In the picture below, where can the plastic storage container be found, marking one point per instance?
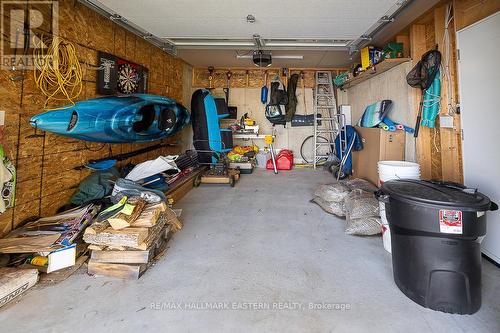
(391, 170)
(436, 230)
(262, 158)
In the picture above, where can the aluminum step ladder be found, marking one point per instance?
(327, 125)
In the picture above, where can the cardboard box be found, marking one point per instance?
(378, 145)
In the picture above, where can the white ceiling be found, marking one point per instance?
(278, 19)
(339, 19)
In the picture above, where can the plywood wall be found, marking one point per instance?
(468, 12)
(247, 100)
(46, 179)
(388, 85)
(245, 86)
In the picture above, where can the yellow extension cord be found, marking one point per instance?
(58, 73)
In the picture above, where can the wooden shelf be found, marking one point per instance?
(251, 136)
(379, 68)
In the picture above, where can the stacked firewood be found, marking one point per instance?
(126, 244)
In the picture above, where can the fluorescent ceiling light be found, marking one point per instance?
(305, 44)
(212, 43)
(259, 43)
(249, 56)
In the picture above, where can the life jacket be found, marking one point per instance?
(275, 109)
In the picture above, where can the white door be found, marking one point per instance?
(479, 81)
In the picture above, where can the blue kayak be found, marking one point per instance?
(116, 119)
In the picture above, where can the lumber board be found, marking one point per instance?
(121, 271)
(14, 282)
(423, 142)
(450, 138)
(41, 243)
(122, 220)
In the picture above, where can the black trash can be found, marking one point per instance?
(436, 229)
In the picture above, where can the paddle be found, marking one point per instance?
(109, 162)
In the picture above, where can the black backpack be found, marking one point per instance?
(278, 99)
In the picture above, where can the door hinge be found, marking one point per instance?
(462, 134)
(458, 54)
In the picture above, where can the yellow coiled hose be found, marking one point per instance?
(58, 73)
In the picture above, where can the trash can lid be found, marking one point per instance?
(436, 193)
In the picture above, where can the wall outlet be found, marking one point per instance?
(446, 121)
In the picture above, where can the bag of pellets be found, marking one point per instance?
(332, 192)
(336, 208)
(362, 213)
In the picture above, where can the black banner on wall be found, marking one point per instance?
(119, 76)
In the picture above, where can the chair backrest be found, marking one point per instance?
(206, 127)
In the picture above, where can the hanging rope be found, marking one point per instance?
(58, 73)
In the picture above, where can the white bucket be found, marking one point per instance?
(386, 231)
(390, 170)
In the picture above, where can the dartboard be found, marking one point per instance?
(128, 79)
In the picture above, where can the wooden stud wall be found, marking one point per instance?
(45, 176)
(439, 151)
(250, 77)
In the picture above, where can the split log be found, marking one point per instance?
(150, 215)
(125, 237)
(122, 220)
(129, 256)
(96, 228)
(121, 271)
(154, 233)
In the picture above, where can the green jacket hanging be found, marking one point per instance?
(291, 107)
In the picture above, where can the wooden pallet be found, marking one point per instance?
(212, 179)
(182, 186)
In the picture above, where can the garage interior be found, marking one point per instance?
(252, 166)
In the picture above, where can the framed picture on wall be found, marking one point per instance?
(120, 76)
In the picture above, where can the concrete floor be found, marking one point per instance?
(261, 242)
